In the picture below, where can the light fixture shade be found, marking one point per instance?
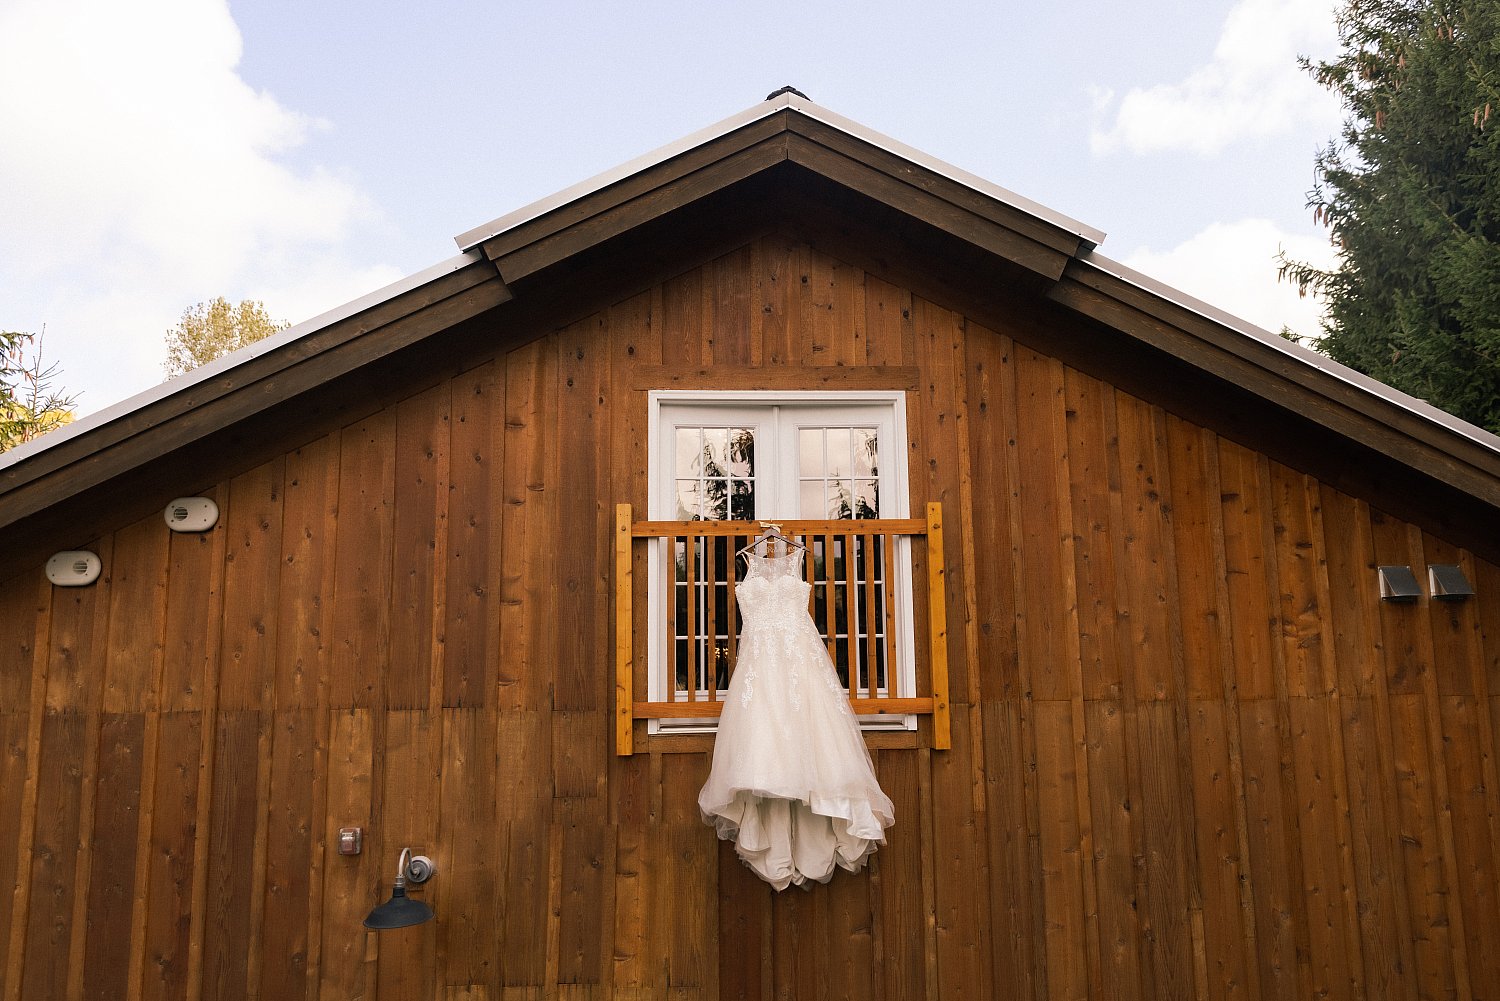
(400, 911)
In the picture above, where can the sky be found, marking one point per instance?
(160, 153)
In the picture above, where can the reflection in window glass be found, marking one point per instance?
(715, 473)
(838, 467)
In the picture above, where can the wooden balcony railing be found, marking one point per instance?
(853, 568)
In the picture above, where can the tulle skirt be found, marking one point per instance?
(792, 784)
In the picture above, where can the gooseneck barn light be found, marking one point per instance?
(401, 911)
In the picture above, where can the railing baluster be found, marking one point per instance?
(867, 549)
(710, 630)
(690, 572)
(888, 569)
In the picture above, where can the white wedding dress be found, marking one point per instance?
(792, 784)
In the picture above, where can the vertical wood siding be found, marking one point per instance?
(1194, 756)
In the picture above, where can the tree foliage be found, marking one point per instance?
(30, 402)
(213, 329)
(1411, 193)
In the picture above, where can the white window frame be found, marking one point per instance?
(885, 407)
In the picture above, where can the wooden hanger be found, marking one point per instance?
(772, 533)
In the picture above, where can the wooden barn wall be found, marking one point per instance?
(1194, 755)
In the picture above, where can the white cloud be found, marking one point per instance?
(1252, 87)
(140, 173)
(1233, 266)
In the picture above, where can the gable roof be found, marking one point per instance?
(331, 358)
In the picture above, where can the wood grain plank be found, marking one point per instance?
(733, 335)
(1473, 848)
(1016, 928)
(469, 846)
(106, 963)
(138, 598)
(170, 878)
(227, 957)
(1271, 870)
(14, 754)
(582, 428)
(293, 819)
(683, 334)
(1044, 617)
(419, 539)
(636, 863)
(1429, 896)
(471, 625)
(304, 617)
(690, 884)
(773, 279)
(1093, 479)
(1216, 801)
(1167, 822)
(26, 632)
(1385, 924)
(1301, 568)
(529, 570)
(1242, 513)
(252, 557)
(52, 875)
(361, 616)
(1323, 894)
(963, 915)
(1115, 971)
(888, 328)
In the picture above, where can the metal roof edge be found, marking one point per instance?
(218, 366)
(1297, 352)
(781, 102)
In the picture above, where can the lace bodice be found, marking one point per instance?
(773, 590)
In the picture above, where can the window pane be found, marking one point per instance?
(688, 450)
(715, 447)
(812, 499)
(866, 461)
(866, 499)
(840, 499)
(810, 451)
(741, 458)
(715, 500)
(837, 461)
(687, 500)
(742, 500)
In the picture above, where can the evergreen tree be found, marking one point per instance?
(213, 329)
(1412, 196)
(30, 403)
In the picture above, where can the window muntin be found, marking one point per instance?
(764, 456)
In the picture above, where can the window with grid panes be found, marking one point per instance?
(773, 457)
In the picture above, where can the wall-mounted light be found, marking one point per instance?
(401, 911)
(1399, 584)
(1448, 583)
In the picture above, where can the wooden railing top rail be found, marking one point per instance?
(627, 531)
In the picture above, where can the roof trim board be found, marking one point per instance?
(765, 109)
